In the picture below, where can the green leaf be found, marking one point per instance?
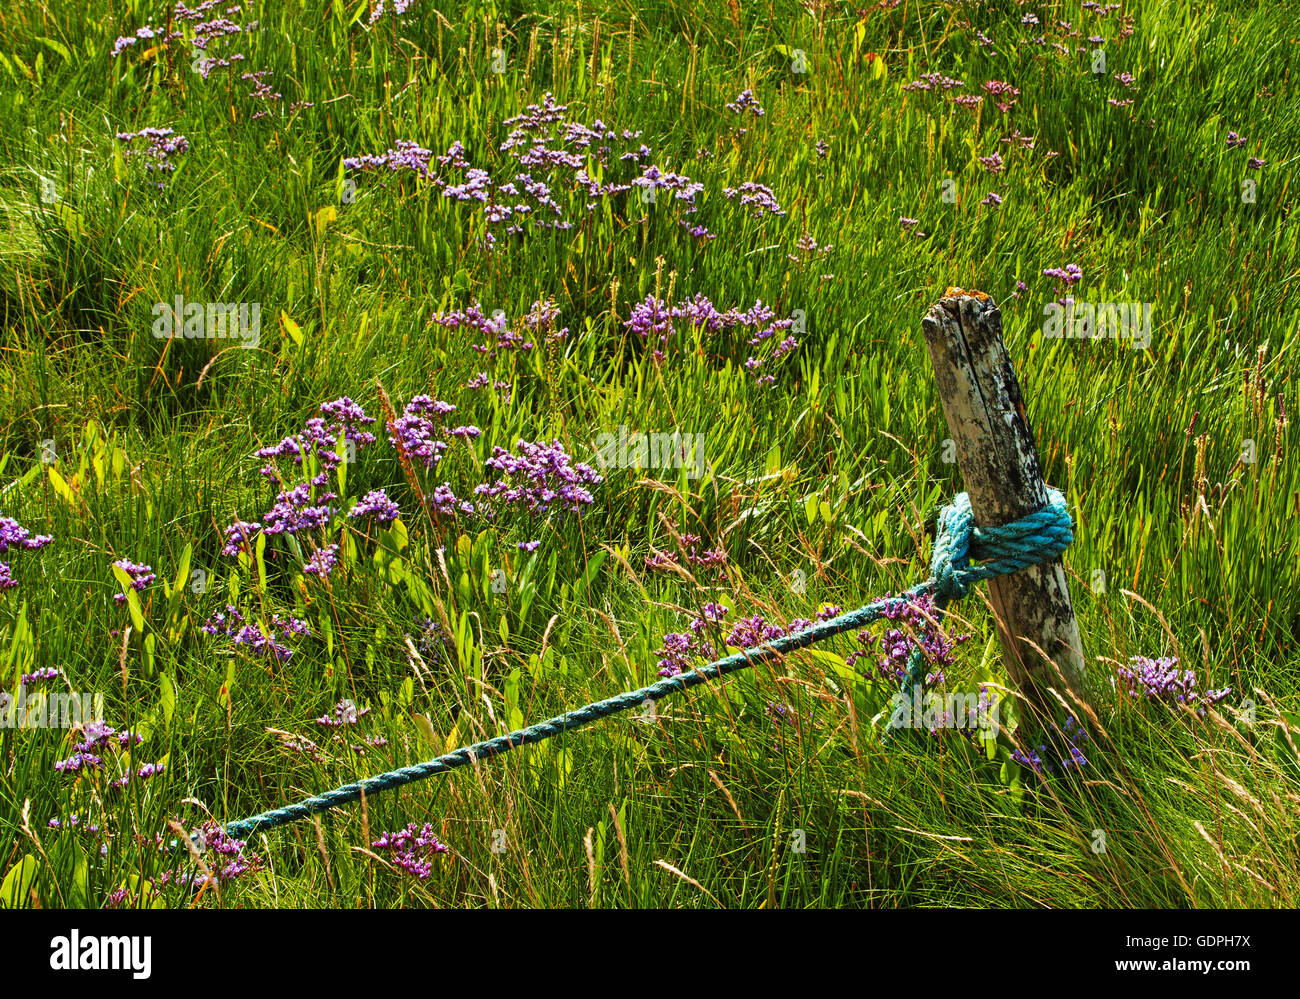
(58, 47)
(425, 728)
(15, 890)
(259, 549)
(398, 535)
(182, 577)
(773, 460)
(61, 487)
(132, 598)
(168, 698)
(291, 329)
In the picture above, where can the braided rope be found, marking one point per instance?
(1040, 537)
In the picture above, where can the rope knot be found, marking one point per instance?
(1038, 537)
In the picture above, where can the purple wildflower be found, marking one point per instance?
(746, 101)
(413, 850)
(345, 713)
(141, 576)
(322, 561)
(538, 477)
(758, 198)
(375, 504)
(1161, 680)
(1070, 274)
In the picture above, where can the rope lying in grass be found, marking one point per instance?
(1037, 538)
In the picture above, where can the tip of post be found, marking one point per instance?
(955, 292)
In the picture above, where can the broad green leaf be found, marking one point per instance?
(132, 598)
(15, 890)
(291, 329)
(168, 687)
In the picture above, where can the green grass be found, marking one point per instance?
(821, 488)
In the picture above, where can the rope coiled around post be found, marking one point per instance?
(1037, 538)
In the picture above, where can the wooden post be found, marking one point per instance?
(999, 465)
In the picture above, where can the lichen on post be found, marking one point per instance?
(999, 464)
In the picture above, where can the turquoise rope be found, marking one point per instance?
(1040, 537)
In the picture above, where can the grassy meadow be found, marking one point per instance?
(574, 222)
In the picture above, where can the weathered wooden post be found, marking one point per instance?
(999, 465)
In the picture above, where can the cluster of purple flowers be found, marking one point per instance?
(550, 154)
(31, 679)
(536, 478)
(1162, 680)
(420, 436)
(14, 535)
(1236, 141)
(714, 558)
(498, 333)
(164, 144)
(758, 198)
(239, 536)
(230, 623)
(345, 713)
(413, 850)
(399, 7)
(430, 644)
(319, 437)
(1070, 273)
(915, 629)
(141, 576)
(808, 249)
(377, 505)
(1064, 746)
(654, 319)
(523, 201)
(96, 737)
(344, 716)
(262, 92)
(746, 101)
(301, 508)
(653, 179)
(934, 81)
(225, 860)
(417, 430)
(322, 561)
(404, 155)
(205, 29)
(1003, 95)
(143, 773)
(680, 651)
(306, 506)
(73, 821)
